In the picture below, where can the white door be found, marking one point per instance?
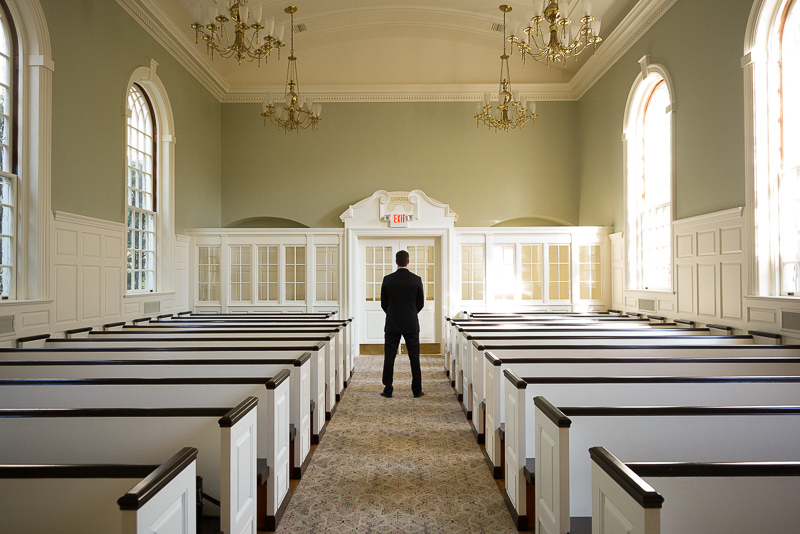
(376, 260)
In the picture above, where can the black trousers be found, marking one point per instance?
(391, 342)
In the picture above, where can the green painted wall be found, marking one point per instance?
(96, 45)
(485, 176)
(701, 45)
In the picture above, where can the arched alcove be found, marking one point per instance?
(266, 222)
(541, 220)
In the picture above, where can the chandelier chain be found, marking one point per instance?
(511, 112)
(298, 113)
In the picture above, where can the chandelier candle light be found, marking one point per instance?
(563, 40)
(241, 47)
(511, 111)
(299, 113)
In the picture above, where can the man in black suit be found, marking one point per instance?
(402, 298)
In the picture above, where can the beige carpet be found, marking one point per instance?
(397, 465)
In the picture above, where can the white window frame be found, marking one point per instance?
(147, 78)
(762, 147)
(650, 75)
(33, 109)
(470, 269)
(9, 206)
(330, 271)
(137, 229)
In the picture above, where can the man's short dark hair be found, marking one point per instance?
(401, 258)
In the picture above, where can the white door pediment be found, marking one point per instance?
(378, 211)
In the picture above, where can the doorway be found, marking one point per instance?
(375, 259)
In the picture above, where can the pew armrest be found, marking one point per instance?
(262, 471)
(530, 470)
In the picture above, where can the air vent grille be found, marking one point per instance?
(152, 307)
(790, 320)
(647, 305)
(300, 28)
(6, 324)
(498, 27)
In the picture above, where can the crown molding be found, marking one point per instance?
(399, 92)
(160, 26)
(635, 24)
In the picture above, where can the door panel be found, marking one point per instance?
(376, 260)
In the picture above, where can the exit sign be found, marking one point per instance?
(398, 220)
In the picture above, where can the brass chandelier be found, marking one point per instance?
(240, 46)
(510, 112)
(299, 113)
(558, 41)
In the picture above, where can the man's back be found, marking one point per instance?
(402, 297)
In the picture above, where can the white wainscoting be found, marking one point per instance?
(88, 271)
(89, 276)
(709, 268)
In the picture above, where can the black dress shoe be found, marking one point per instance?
(418, 395)
(387, 395)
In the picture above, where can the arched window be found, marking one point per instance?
(789, 173)
(141, 192)
(772, 80)
(649, 149)
(8, 156)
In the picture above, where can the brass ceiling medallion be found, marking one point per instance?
(558, 41)
(511, 111)
(298, 113)
(240, 46)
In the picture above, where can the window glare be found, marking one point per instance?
(657, 154)
(649, 180)
(140, 188)
(790, 69)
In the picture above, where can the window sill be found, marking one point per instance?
(774, 298)
(653, 292)
(148, 295)
(9, 302)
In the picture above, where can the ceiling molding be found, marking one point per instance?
(400, 92)
(635, 24)
(158, 24)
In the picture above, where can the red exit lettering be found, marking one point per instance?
(399, 218)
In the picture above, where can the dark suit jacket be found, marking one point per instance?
(402, 297)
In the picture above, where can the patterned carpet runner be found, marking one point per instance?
(397, 465)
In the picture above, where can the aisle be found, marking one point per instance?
(397, 465)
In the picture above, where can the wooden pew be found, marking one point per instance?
(485, 381)
(81, 498)
(456, 360)
(316, 315)
(476, 345)
(273, 395)
(344, 344)
(618, 390)
(564, 434)
(319, 346)
(709, 497)
(224, 437)
(300, 404)
(491, 336)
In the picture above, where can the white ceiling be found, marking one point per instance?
(386, 50)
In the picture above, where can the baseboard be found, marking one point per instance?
(297, 472)
(479, 436)
(496, 470)
(376, 349)
(315, 438)
(273, 520)
(520, 521)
